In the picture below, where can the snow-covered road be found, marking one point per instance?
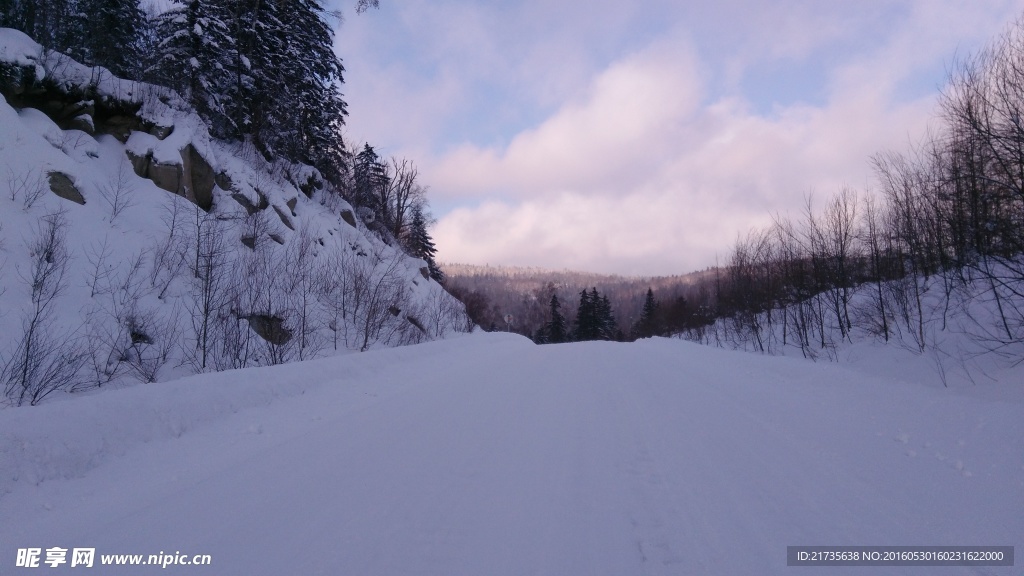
(488, 455)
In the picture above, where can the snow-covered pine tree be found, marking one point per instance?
(364, 5)
(369, 174)
(259, 58)
(194, 57)
(314, 111)
(419, 244)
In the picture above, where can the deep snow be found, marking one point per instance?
(489, 455)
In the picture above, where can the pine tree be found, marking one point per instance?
(555, 331)
(309, 122)
(111, 30)
(51, 23)
(606, 326)
(646, 325)
(370, 175)
(194, 57)
(586, 321)
(419, 244)
(594, 319)
(260, 40)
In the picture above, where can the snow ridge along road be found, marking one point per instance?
(486, 455)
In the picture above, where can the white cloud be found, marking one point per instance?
(641, 179)
(623, 126)
(654, 159)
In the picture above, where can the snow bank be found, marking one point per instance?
(68, 439)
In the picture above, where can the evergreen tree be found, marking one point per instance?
(556, 331)
(586, 320)
(606, 326)
(111, 30)
(646, 326)
(194, 57)
(51, 23)
(260, 57)
(419, 244)
(594, 319)
(370, 175)
(309, 121)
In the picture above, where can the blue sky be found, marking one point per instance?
(641, 137)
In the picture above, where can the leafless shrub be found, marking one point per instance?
(364, 295)
(45, 359)
(100, 268)
(300, 290)
(27, 187)
(72, 140)
(210, 266)
(441, 314)
(170, 253)
(117, 192)
(124, 336)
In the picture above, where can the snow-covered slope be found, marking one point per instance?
(168, 252)
(489, 455)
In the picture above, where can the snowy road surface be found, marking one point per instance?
(487, 456)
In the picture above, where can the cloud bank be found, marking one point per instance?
(651, 158)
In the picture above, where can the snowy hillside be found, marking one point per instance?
(136, 248)
(489, 455)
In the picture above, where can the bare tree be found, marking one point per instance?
(44, 359)
(300, 291)
(124, 336)
(28, 186)
(404, 194)
(210, 266)
(364, 295)
(170, 253)
(877, 319)
(118, 190)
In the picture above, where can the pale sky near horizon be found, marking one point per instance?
(642, 137)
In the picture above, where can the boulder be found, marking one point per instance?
(63, 186)
(84, 123)
(223, 180)
(198, 178)
(161, 132)
(284, 218)
(250, 208)
(270, 328)
(192, 179)
(348, 217)
(166, 176)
